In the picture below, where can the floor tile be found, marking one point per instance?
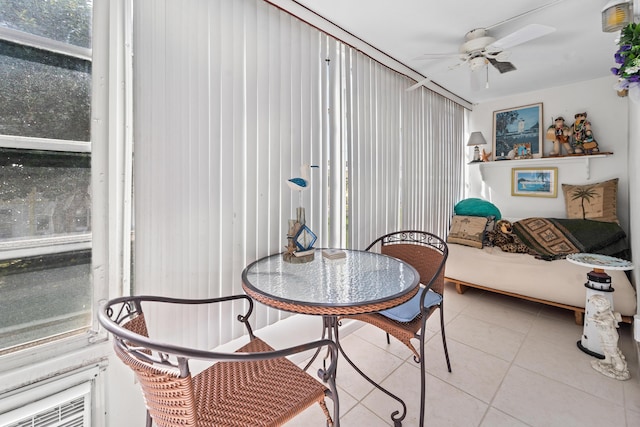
(631, 390)
(568, 364)
(497, 311)
(558, 329)
(455, 302)
(540, 401)
(495, 418)
(361, 416)
(377, 337)
(633, 418)
(375, 362)
(472, 371)
(514, 363)
(512, 302)
(446, 405)
(488, 337)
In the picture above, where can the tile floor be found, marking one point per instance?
(515, 363)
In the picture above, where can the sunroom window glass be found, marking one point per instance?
(45, 171)
(43, 194)
(44, 297)
(66, 21)
(44, 94)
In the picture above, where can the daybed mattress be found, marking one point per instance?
(558, 281)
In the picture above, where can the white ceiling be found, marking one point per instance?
(406, 29)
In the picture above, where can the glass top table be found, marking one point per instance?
(597, 261)
(359, 283)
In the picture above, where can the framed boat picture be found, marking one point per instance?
(514, 128)
(534, 182)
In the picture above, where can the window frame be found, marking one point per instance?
(110, 146)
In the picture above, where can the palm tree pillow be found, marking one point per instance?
(597, 202)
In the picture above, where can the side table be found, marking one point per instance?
(598, 283)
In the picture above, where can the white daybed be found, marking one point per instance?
(558, 283)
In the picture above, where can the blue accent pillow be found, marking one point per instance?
(409, 310)
(477, 207)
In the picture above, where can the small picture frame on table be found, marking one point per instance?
(513, 127)
(534, 182)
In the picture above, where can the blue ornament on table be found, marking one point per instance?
(302, 182)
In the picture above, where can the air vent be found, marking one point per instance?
(68, 408)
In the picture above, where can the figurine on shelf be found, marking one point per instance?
(584, 141)
(559, 133)
(485, 157)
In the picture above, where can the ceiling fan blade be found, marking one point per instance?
(427, 56)
(524, 34)
(456, 65)
(502, 66)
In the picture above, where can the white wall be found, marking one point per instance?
(634, 198)
(608, 114)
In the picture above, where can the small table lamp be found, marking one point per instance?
(476, 139)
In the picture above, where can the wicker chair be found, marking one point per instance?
(427, 253)
(255, 386)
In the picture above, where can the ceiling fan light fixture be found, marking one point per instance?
(616, 14)
(476, 45)
(477, 63)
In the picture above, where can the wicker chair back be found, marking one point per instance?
(255, 386)
(427, 260)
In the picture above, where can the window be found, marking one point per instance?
(45, 171)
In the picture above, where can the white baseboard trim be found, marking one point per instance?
(291, 331)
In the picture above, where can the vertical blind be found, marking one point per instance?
(231, 98)
(406, 154)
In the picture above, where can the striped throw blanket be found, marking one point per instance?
(554, 238)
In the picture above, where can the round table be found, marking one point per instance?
(598, 283)
(361, 282)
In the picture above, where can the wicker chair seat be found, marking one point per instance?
(402, 331)
(257, 393)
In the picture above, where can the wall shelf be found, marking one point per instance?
(544, 161)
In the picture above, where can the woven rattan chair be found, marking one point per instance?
(427, 253)
(255, 386)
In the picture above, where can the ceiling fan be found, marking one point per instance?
(480, 49)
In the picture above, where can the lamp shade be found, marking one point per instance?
(475, 139)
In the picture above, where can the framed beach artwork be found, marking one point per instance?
(515, 128)
(534, 182)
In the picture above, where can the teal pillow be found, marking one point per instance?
(477, 207)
